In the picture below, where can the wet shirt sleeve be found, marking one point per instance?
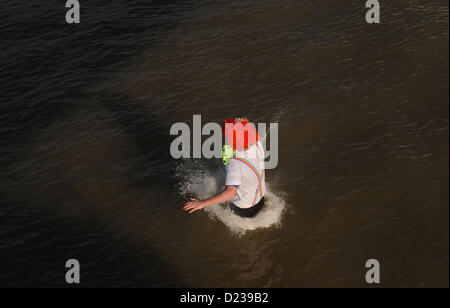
(233, 174)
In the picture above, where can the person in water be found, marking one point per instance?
(243, 156)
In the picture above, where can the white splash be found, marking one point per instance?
(200, 181)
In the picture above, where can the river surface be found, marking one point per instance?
(86, 172)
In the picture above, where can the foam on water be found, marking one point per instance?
(199, 180)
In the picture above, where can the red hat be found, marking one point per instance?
(239, 133)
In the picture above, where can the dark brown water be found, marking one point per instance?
(86, 172)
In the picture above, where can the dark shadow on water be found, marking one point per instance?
(44, 78)
(151, 134)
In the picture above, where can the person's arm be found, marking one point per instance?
(195, 205)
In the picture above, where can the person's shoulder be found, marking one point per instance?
(253, 152)
(233, 168)
(233, 164)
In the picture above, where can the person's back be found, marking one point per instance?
(246, 172)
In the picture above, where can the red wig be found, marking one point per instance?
(239, 133)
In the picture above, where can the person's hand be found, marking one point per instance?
(193, 205)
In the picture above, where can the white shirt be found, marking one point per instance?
(250, 181)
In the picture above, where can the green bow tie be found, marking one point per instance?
(227, 154)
